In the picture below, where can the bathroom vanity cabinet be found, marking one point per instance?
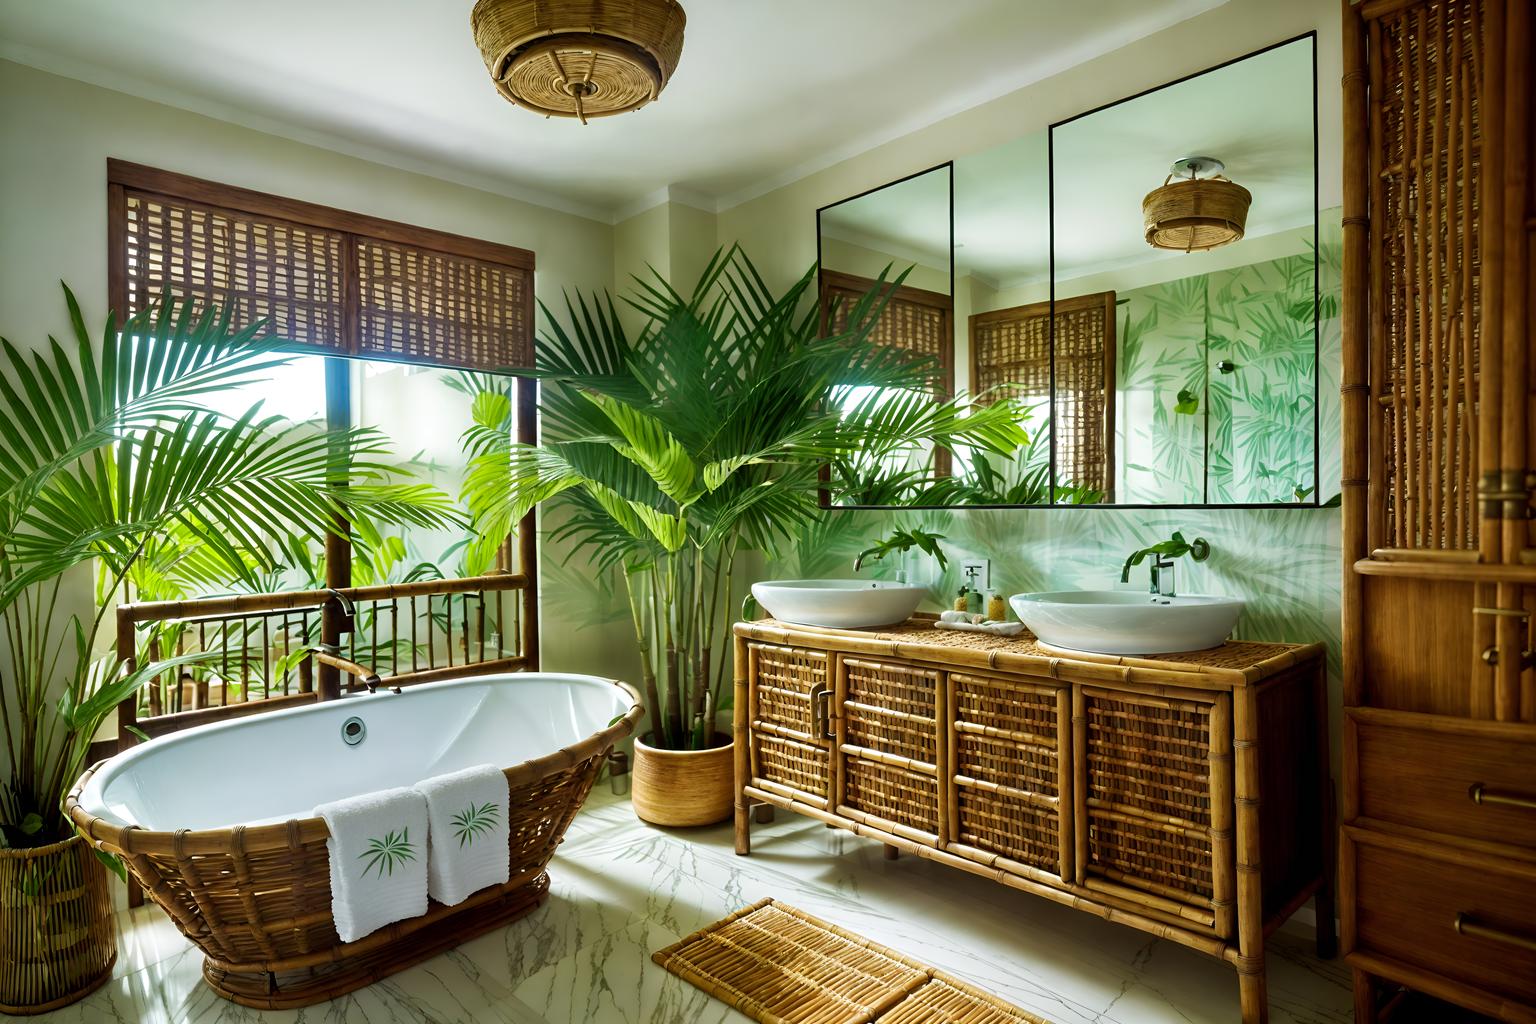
(1186, 795)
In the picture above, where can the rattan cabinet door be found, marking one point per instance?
(790, 693)
(1009, 742)
(887, 731)
(1153, 795)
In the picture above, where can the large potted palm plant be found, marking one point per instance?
(673, 450)
(105, 453)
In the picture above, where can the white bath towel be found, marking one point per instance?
(467, 832)
(378, 850)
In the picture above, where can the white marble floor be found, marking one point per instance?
(622, 890)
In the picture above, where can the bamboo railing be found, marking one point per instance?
(276, 650)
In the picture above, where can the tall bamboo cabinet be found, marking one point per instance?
(1438, 853)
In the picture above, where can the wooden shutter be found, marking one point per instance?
(255, 267)
(914, 319)
(322, 278)
(1011, 351)
(420, 306)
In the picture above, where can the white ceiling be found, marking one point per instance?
(767, 91)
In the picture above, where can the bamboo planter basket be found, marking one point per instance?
(683, 788)
(58, 938)
(257, 900)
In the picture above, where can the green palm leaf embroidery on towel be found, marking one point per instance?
(383, 855)
(470, 823)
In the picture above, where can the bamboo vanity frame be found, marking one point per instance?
(1185, 795)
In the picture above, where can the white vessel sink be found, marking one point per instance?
(843, 604)
(1127, 622)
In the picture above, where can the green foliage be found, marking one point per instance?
(106, 456)
(904, 541)
(1174, 547)
(672, 449)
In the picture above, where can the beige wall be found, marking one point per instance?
(57, 133)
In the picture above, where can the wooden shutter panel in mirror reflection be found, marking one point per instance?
(914, 319)
(430, 307)
(255, 267)
(1011, 351)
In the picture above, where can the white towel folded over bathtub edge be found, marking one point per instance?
(378, 853)
(467, 832)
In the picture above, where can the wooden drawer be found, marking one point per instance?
(785, 684)
(887, 725)
(1146, 769)
(1009, 746)
(1410, 896)
(1458, 777)
(789, 694)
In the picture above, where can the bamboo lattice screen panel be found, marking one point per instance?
(323, 279)
(1426, 205)
(1011, 352)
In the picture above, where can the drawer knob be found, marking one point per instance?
(1481, 794)
(1468, 925)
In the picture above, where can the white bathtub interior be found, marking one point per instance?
(279, 765)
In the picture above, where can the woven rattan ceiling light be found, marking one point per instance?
(579, 58)
(1197, 208)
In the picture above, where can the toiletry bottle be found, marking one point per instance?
(962, 602)
(974, 602)
(997, 609)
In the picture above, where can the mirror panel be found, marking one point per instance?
(904, 228)
(1214, 349)
(1181, 373)
(1002, 301)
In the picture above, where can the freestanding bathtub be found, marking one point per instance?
(215, 822)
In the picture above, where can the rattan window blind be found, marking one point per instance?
(1011, 353)
(323, 279)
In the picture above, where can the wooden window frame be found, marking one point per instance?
(124, 176)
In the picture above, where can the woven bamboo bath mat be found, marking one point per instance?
(779, 965)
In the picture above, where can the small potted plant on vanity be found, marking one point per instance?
(700, 438)
(104, 456)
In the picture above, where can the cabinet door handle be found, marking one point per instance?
(821, 714)
(1466, 924)
(1481, 794)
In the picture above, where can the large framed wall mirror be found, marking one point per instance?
(1140, 282)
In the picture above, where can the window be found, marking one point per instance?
(398, 325)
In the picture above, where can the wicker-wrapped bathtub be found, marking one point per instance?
(255, 897)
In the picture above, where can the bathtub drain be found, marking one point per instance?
(353, 731)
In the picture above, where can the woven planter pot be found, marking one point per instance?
(683, 787)
(58, 939)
